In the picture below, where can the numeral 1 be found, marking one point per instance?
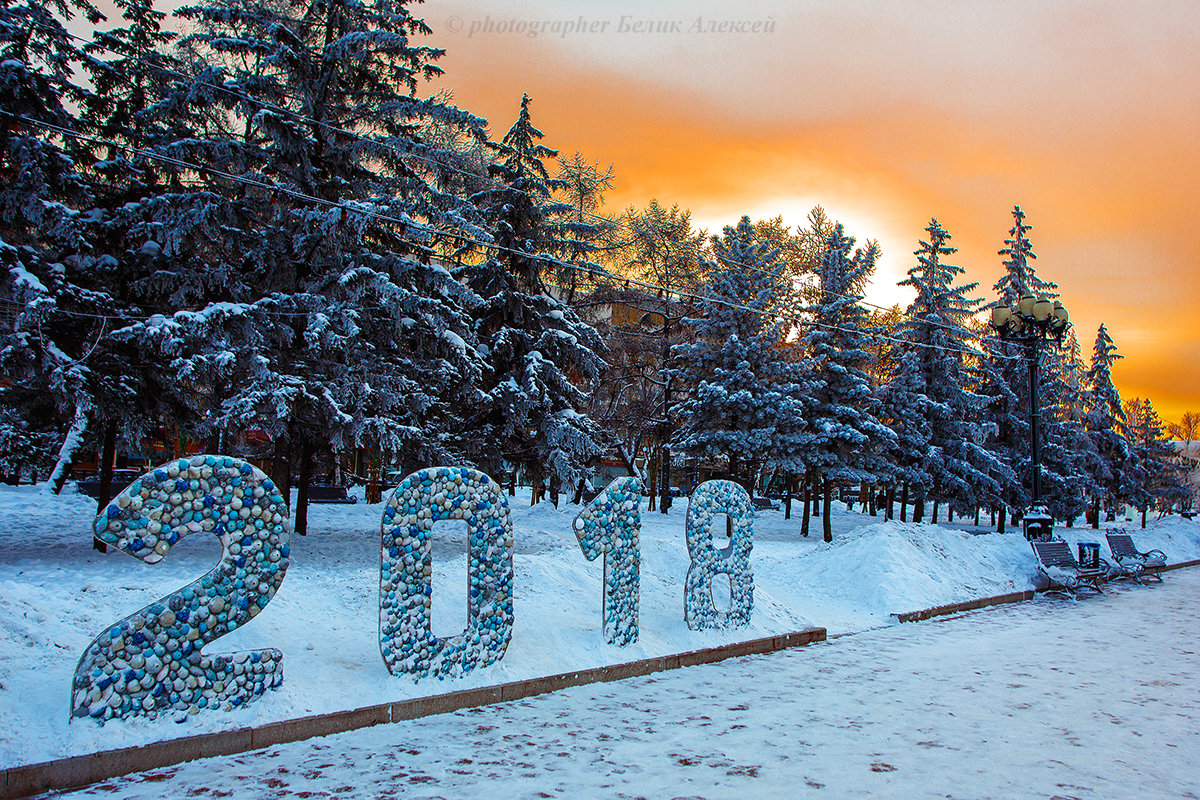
(611, 524)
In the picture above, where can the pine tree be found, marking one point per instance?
(744, 396)
(1106, 426)
(1160, 481)
(539, 353)
(660, 247)
(847, 438)
(299, 232)
(1007, 379)
(56, 310)
(935, 414)
(1065, 448)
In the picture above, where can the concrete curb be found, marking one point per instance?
(1000, 599)
(76, 771)
(967, 605)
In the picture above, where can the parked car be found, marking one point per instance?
(120, 479)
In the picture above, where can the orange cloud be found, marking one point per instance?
(1082, 113)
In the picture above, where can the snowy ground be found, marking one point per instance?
(56, 594)
(1052, 699)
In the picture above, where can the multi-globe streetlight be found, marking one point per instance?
(1033, 320)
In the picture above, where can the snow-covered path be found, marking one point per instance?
(1052, 698)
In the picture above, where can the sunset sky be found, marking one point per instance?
(888, 113)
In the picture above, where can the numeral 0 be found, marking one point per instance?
(406, 638)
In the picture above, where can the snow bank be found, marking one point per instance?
(56, 593)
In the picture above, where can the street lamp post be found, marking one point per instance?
(1034, 319)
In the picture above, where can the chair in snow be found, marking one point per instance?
(1062, 571)
(1150, 563)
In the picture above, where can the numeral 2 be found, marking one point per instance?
(151, 661)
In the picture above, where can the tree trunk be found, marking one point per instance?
(816, 494)
(934, 519)
(976, 516)
(904, 502)
(1000, 516)
(306, 461)
(281, 466)
(787, 500)
(874, 511)
(807, 508)
(826, 526)
(1143, 517)
(891, 499)
(554, 491)
(512, 481)
(70, 446)
(579, 487)
(652, 481)
(108, 456)
(919, 509)
(664, 503)
(1096, 513)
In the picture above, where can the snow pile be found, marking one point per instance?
(56, 594)
(892, 567)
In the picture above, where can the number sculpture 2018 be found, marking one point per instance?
(406, 639)
(151, 661)
(611, 524)
(709, 500)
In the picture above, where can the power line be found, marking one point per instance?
(407, 224)
(140, 59)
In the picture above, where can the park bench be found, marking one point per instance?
(1062, 571)
(329, 494)
(120, 479)
(763, 504)
(1150, 563)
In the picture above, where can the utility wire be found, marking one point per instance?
(140, 59)
(408, 223)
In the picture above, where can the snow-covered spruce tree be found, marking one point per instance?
(1137, 488)
(848, 443)
(935, 413)
(308, 201)
(1065, 448)
(1009, 406)
(743, 401)
(1165, 484)
(539, 353)
(1106, 427)
(55, 307)
(125, 66)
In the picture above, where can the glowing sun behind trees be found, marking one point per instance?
(151, 661)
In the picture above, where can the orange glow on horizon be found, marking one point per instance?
(1089, 126)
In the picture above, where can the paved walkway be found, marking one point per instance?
(1049, 699)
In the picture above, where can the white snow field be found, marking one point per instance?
(1049, 699)
(57, 593)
